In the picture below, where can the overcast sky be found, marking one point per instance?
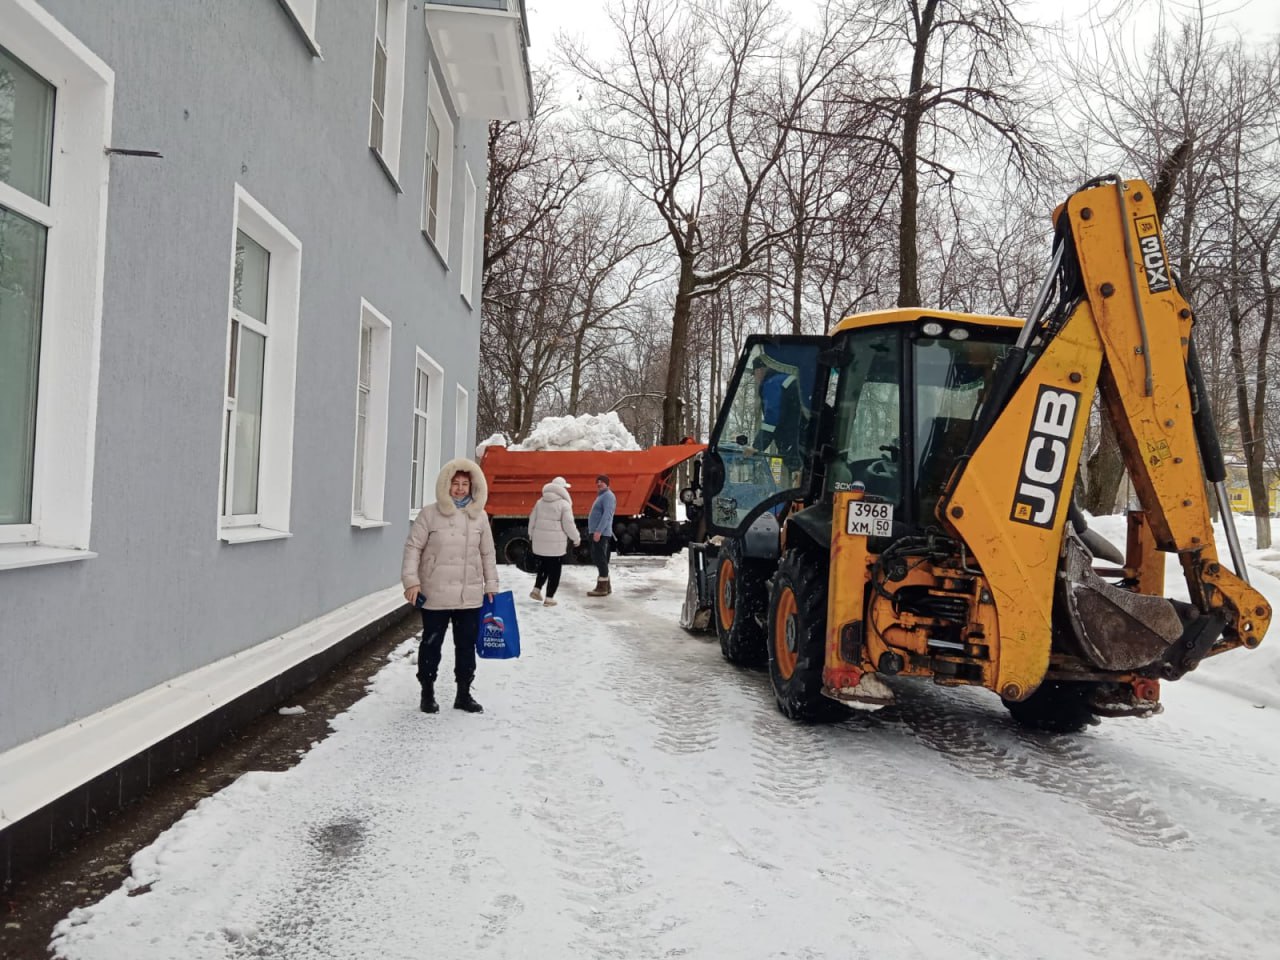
(548, 18)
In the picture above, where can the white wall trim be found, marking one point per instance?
(462, 424)
(71, 324)
(469, 254)
(303, 15)
(36, 772)
(17, 556)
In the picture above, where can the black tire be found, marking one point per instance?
(798, 637)
(513, 546)
(739, 606)
(1054, 707)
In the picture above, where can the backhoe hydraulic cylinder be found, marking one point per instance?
(1215, 468)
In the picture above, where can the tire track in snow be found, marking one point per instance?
(678, 694)
(605, 885)
(791, 760)
(1003, 838)
(978, 742)
(607, 889)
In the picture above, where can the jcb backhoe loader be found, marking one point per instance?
(894, 498)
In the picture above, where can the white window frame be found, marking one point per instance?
(303, 15)
(430, 465)
(71, 313)
(388, 151)
(468, 254)
(275, 457)
(370, 467)
(444, 200)
(461, 423)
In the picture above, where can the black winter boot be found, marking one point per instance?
(463, 700)
(428, 702)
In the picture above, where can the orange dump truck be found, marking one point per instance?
(638, 479)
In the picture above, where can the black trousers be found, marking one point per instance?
(466, 627)
(549, 573)
(600, 555)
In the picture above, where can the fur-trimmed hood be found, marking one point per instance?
(479, 487)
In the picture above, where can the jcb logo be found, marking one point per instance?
(1152, 253)
(1044, 462)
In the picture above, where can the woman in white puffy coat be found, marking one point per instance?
(449, 568)
(551, 529)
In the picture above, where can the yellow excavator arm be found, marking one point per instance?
(1118, 326)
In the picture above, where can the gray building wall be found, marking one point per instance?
(228, 92)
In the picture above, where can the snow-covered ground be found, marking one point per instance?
(629, 794)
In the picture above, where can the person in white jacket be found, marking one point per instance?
(551, 529)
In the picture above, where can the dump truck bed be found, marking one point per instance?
(516, 477)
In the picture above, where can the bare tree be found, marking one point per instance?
(612, 262)
(962, 83)
(535, 166)
(1253, 218)
(701, 101)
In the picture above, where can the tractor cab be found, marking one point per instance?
(885, 405)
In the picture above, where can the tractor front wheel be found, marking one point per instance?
(741, 586)
(798, 637)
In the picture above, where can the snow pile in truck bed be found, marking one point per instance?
(591, 431)
(495, 440)
(1251, 674)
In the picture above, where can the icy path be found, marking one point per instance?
(628, 794)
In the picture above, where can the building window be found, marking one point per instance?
(303, 15)
(428, 398)
(437, 173)
(431, 185)
(462, 446)
(468, 235)
(55, 121)
(388, 81)
(244, 382)
(26, 149)
(373, 374)
(257, 434)
(377, 122)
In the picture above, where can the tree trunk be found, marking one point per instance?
(1257, 457)
(673, 402)
(579, 338)
(797, 283)
(1105, 473)
(913, 111)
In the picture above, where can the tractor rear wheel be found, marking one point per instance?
(741, 586)
(1054, 707)
(798, 637)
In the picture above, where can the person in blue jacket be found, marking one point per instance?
(600, 530)
(780, 413)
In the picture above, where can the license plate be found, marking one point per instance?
(869, 519)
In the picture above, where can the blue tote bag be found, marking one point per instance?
(499, 637)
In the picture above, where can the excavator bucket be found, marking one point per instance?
(1116, 629)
